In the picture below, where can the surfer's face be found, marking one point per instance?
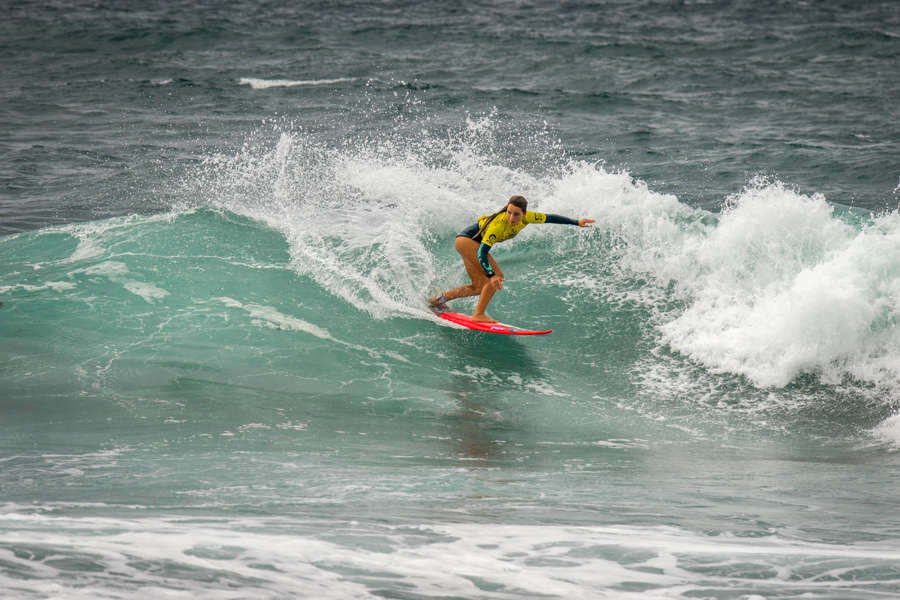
(514, 214)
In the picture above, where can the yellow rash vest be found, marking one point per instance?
(499, 230)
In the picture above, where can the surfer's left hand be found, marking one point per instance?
(585, 222)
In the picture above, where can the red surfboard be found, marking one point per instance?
(467, 322)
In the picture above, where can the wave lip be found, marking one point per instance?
(264, 84)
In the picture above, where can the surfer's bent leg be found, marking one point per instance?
(481, 285)
(468, 250)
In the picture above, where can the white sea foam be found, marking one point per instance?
(117, 272)
(95, 237)
(270, 317)
(273, 558)
(783, 287)
(56, 286)
(888, 431)
(277, 319)
(264, 84)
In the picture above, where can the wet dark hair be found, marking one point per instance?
(517, 201)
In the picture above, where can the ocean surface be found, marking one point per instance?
(219, 223)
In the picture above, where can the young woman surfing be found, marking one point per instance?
(474, 245)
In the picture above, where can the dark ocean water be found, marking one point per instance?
(220, 220)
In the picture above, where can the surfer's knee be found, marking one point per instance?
(466, 247)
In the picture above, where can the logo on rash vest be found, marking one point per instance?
(539, 217)
(492, 237)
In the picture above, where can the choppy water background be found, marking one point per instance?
(219, 221)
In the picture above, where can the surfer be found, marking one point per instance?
(474, 245)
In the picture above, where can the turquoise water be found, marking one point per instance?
(219, 377)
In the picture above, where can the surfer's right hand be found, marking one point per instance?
(497, 282)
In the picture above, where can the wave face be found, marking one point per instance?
(219, 224)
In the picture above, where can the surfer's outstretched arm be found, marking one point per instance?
(560, 220)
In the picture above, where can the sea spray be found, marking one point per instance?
(364, 220)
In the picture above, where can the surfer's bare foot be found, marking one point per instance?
(483, 319)
(438, 302)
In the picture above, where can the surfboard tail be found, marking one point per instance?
(469, 323)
